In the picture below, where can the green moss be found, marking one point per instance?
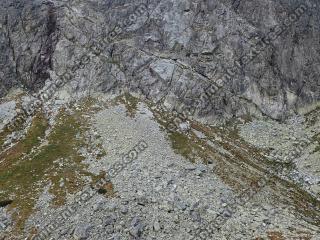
(17, 174)
(34, 134)
(243, 168)
(3, 134)
(181, 144)
(186, 144)
(24, 175)
(72, 170)
(130, 102)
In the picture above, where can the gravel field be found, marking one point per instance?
(160, 194)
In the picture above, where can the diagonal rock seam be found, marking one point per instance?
(244, 95)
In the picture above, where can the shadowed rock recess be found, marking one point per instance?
(216, 103)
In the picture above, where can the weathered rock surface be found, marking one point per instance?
(192, 55)
(169, 51)
(160, 195)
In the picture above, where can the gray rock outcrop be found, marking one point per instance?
(207, 55)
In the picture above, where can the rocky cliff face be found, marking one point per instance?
(29, 36)
(77, 169)
(220, 58)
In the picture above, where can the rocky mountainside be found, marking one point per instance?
(219, 59)
(160, 119)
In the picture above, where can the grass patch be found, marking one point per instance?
(58, 162)
(181, 145)
(243, 167)
(32, 139)
(275, 236)
(130, 102)
(17, 174)
(60, 159)
(3, 135)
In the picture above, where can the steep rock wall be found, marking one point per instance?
(206, 55)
